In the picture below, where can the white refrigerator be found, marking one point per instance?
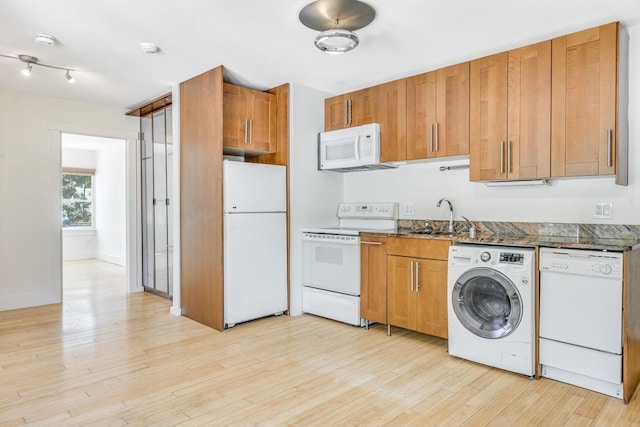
(255, 241)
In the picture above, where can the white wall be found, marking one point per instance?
(314, 195)
(30, 245)
(566, 200)
(111, 203)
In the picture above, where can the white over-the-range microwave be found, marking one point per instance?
(351, 149)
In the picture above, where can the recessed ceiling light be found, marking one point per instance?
(45, 40)
(149, 48)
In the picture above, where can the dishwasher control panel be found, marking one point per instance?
(583, 262)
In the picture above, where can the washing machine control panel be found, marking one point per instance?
(485, 256)
(511, 258)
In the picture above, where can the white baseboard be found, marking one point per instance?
(12, 302)
(112, 259)
(176, 311)
(75, 256)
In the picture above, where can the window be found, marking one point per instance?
(77, 198)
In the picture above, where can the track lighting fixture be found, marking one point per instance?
(32, 60)
(27, 71)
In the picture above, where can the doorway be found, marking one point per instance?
(93, 203)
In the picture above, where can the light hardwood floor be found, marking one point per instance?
(107, 358)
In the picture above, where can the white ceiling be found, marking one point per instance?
(262, 43)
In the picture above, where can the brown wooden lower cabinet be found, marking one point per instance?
(417, 285)
(373, 279)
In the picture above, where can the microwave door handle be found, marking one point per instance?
(356, 145)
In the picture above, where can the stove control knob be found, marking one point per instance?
(485, 256)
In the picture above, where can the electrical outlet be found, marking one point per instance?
(603, 210)
(408, 209)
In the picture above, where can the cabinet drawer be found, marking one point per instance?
(419, 248)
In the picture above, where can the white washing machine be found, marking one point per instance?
(491, 297)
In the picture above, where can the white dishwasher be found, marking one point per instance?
(581, 318)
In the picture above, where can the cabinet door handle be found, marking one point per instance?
(251, 131)
(501, 156)
(346, 111)
(370, 243)
(411, 276)
(417, 276)
(246, 124)
(509, 156)
(609, 140)
(437, 137)
(431, 138)
(350, 112)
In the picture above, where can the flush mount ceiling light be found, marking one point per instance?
(32, 60)
(336, 40)
(336, 20)
(45, 40)
(149, 48)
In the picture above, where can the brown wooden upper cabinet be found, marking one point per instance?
(510, 115)
(438, 113)
(384, 104)
(249, 123)
(350, 109)
(585, 131)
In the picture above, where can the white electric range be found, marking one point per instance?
(331, 259)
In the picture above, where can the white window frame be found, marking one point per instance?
(92, 174)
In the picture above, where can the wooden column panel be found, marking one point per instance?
(201, 228)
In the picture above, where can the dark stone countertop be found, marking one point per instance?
(616, 238)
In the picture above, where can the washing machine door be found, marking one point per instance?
(487, 303)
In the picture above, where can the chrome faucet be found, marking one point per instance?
(472, 228)
(450, 213)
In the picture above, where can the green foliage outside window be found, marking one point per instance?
(77, 200)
